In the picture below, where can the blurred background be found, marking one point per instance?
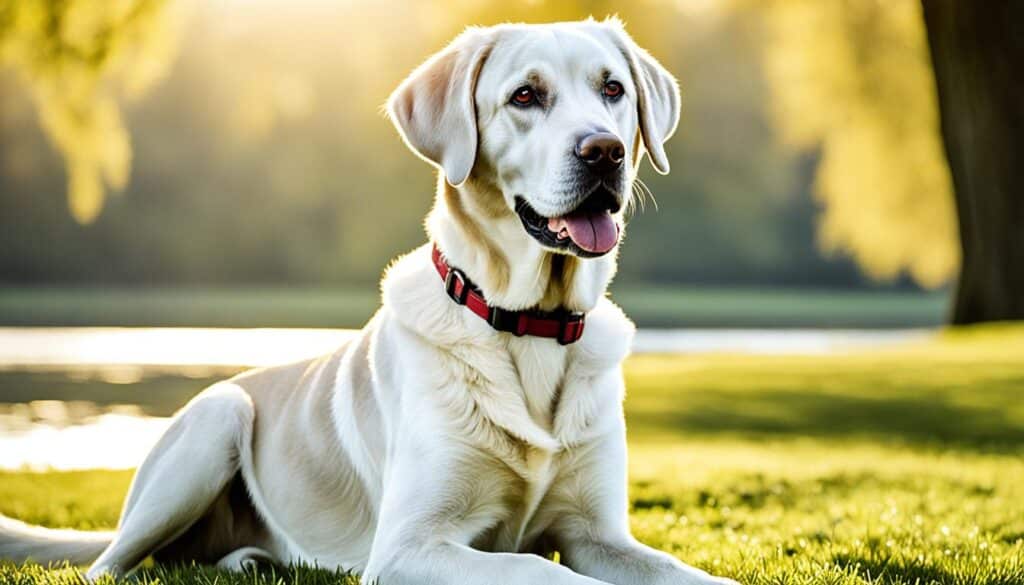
(155, 148)
(826, 386)
(226, 164)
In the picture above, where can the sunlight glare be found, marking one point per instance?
(110, 441)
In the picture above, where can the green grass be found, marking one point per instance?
(350, 307)
(659, 306)
(891, 467)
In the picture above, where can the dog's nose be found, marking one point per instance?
(602, 151)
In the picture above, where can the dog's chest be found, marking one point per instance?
(534, 403)
(540, 367)
(521, 520)
(537, 372)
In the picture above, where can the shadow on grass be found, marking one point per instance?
(891, 570)
(177, 574)
(987, 419)
(172, 574)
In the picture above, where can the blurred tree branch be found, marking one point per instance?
(853, 78)
(77, 58)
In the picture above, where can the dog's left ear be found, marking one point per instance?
(434, 108)
(657, 96)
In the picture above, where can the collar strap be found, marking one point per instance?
(564, 325)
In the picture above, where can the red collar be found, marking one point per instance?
(563, 325)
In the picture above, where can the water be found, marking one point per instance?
(77, 398)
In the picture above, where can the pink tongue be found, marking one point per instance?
(593, 231)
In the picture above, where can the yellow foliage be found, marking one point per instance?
(854, 77)
(77, 57)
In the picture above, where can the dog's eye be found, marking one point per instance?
(613, 90)
(524, 96)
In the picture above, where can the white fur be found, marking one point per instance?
(431, 448)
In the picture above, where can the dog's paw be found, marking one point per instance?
(102, 573)
(698, 577)
(245, 559)
(713, 580)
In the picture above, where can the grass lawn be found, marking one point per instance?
(894, 467)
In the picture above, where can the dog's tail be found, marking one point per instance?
(20, 542)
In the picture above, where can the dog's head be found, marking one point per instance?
(554, 118)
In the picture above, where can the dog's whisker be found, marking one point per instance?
(647, 192)
(641, 195)
(632, 202)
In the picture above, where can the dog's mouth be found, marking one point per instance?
(588, 231)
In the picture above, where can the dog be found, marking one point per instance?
(474, 427)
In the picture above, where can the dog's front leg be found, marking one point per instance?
(592, 534)
(624, 561)
(439, 495)
(444, 562)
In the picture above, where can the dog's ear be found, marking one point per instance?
(434, 108)
(657, 96)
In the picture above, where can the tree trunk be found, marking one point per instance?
(977, 50)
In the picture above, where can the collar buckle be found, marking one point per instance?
(508, 321)
(456, 276)
(570, 327)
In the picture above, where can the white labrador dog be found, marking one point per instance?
(439, 446)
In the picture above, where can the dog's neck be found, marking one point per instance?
(479, 234)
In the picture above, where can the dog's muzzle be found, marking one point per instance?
(588, 231)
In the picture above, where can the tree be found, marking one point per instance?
(978, 55)
(852, 79)
(77, 58)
